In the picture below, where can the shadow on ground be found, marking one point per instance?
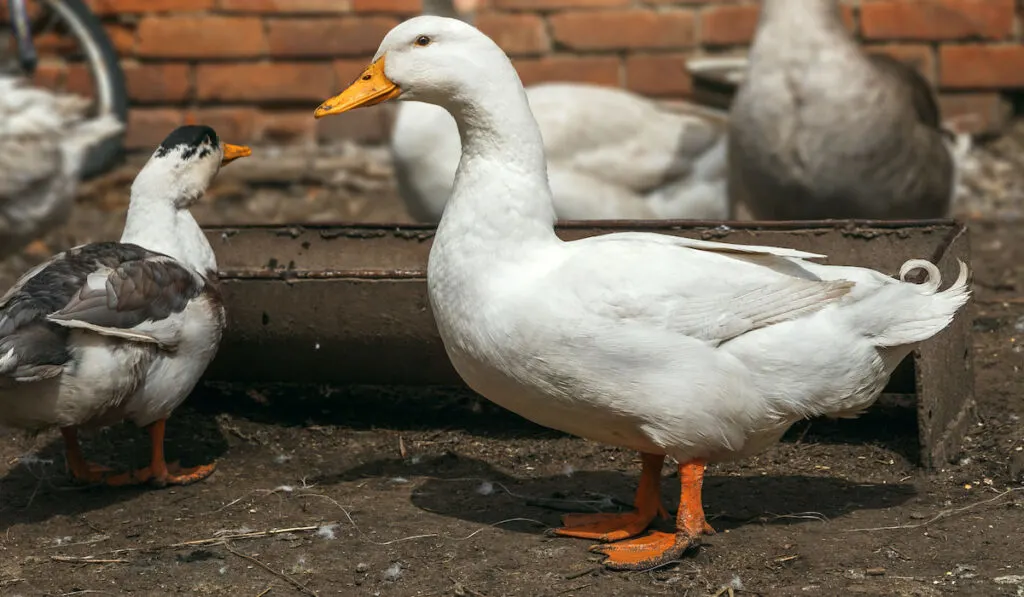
(192, 438)
(472, 490)
(458, 408)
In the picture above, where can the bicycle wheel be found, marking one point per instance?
(74, 19)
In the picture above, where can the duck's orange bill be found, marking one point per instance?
(233, 152)
(371, 88)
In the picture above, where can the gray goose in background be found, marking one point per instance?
(821, 129)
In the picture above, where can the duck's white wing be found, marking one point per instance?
(705, 290)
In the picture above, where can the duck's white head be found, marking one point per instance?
(429, 59)
(501, 185)
(183, 166)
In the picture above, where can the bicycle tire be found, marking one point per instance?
(111, 89)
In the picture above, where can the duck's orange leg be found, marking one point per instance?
(659, 548)
(158, 472)
(81, 469)
(615, 527)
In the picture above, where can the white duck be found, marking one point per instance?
(820, 129)
(44, 139)
(121, 330)
(702, 351)
(612, 154)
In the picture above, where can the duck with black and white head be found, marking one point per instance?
(113, 331)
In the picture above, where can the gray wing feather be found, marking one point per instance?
(135, 292)
(917, 88)
(105, 287)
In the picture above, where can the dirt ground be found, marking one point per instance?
(414, 491)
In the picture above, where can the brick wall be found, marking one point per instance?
(255, 69)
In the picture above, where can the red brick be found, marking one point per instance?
(981, 67)
(409, 7)
(286, 6)
(147, 127)
(976, 113)
(49, 75)
(729, 24)
(235, 125)
(352, 36)
(158, 83)
(630, 29)
(265, 82)
(52, 43)
(659, 75)
(200, 37)
(920, 57)
(600, 70)
(937, 19)
(554, 4)
(122, 37)
(79, 80)
(286, 127)
(516, 34)
(346, 71)
(113, 7)
(736, 24)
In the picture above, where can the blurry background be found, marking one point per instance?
(255, 69)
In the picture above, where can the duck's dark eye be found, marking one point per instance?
(423, 40)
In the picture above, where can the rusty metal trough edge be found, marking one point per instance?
(346, 303)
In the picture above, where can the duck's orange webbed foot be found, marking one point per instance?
(651, 550)
(658, 548)
(605, 527)
(166, 475)
(615, 527)
(158, 473)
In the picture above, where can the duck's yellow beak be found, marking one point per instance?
(371, 88)
(233, 152)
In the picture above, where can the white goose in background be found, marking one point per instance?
(121, 330)
(44, 140)
(821, 129)
(701, 351)
(612, 154)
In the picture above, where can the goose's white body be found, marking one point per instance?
(671, 345)
(44, 139)
(611, 154)
(667, 345)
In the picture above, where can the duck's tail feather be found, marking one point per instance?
(905, 313)
(32, 353)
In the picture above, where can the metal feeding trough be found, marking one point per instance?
(348, 304)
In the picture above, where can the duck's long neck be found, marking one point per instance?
(501, 193)
(157, 224)
(800, 25)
